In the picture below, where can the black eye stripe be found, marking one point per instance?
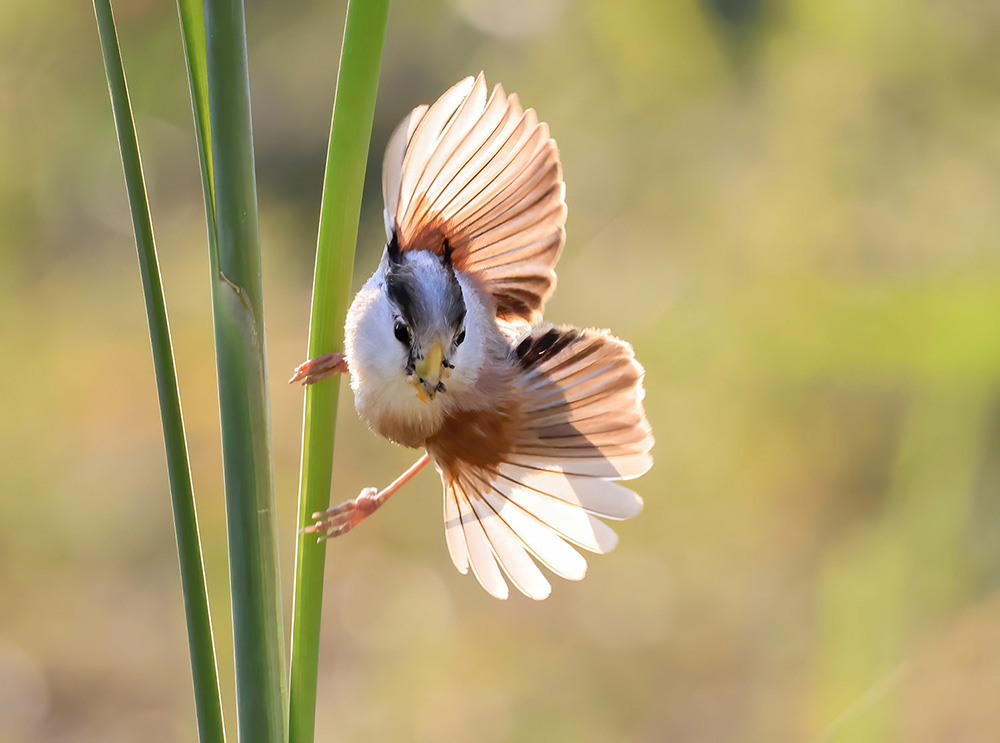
(417, 298)
(400, 295)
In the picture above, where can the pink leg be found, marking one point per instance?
(319, 368)
(341, 519)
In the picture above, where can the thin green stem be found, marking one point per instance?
(350, 133)
(237, 301)
(206, 680)
(192, 19)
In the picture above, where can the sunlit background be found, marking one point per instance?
(792, 210)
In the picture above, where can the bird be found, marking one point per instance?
(530, 425)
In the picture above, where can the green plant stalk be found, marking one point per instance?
(208, 702)
(237, 301)
(350, 134)
(192, 19)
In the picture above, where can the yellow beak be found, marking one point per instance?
(429, 367)
(421, 395)
(429, 373)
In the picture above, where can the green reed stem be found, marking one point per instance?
(208, 702)
(350, 133)
(219, 80)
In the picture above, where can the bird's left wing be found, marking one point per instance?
(482, 176)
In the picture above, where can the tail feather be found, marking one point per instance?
(622, 468)
(541, 540)
(597, 496)
(566, 519)
(454, 531)
(580, 426)
(481, 554)
(510, 550)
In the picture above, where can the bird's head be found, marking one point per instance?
(428, 311)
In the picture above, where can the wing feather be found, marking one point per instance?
(392, 165)
(483, 176)
(424, 140)
(447, 150)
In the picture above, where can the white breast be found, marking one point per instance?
(384, 398)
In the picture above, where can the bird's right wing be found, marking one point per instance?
(483, 178)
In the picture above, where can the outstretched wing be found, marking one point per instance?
(530, 480)
(484, 177)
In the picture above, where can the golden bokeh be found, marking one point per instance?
(790, 208)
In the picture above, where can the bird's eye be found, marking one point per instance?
(402, 333)
(459, 338)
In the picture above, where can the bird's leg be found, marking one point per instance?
(321, 367)
(341, 519)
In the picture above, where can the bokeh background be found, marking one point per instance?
(791, 209)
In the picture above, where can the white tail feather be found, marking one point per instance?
(453, 530)
(568, 520)
(510, 552)
(580, 426)
(481, 557)
(544, 543)
(597, 496)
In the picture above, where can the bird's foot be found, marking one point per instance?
(339, 520)
(321, 367)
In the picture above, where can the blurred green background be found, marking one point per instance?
(792, 210)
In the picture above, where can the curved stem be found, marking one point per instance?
(350, 132)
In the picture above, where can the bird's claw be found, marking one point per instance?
(340, 519)
(321, 367)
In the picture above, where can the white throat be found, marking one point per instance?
(385, 399)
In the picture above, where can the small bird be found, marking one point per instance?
(528, 423)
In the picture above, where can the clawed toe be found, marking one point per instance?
(332, 523)
(330, 527)
(339, 520)
(321, 367)
(344, 507)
